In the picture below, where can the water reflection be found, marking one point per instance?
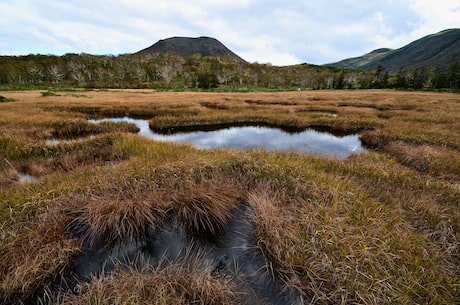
(246, 137)
(25, 178)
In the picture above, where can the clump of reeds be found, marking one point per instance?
(80, 128)
(116, 218)
(206, 208)
(436, 161)
(274, 222)
(8, 173)
(33, 254)
(180, 282)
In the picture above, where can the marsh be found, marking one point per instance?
(256, 136)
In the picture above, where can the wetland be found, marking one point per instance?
(253, 137)
(100, 213)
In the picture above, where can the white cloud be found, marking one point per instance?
(436, 15)
(282, 33)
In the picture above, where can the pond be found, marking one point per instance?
(248, 137)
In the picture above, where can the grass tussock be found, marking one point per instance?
(178, 283)
(205, 209)
(433, 160)
(273, 216)
(377, 228)
(112, 219)
(34, 254)
(81, 128)
(356, 243)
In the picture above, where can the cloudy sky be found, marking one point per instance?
(281, 32)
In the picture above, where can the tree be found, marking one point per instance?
(340, 81)
(454, 76)
(381, 77)
(440, 78)
(167, 72)
(55, 73)
(401, 79)
(35, 74)
(207, 80)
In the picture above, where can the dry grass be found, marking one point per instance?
(33, 255)
(377, 228)
(207, 208)
(114, 218)
(178, 283)
(439, 162)
(274, 218)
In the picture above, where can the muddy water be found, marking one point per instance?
(232, 252)
(247, 137)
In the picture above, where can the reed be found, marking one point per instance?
(207, 208)
(376, 228)
(178, 283)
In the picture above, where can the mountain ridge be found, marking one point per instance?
(432, 51)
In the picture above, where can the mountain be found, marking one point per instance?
(186, 46)
(437, 50)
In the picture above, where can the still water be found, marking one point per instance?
(248, 137)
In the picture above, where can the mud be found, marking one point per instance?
(231, 252)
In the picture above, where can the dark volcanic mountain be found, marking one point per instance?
(186, 46)
(437, 50)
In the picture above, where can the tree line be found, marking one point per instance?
(172, 71)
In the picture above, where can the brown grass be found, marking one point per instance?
(114, 218)
(439, 162)
(178, 283)
(33, 255)
(206, 208)
(376, 228)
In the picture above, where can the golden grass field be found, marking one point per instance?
(381, 227)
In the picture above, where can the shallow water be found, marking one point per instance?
(248, 137)
(232, 253)
(25, 178)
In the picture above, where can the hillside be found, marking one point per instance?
(437, 50)
(186, 46)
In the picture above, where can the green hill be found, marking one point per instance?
(186, 46)
(437, 50)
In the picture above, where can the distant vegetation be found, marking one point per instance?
(182, 63)
(166, 71)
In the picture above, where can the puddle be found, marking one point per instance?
(233, 253)
(249, 137)
(55, 142)
(25, 178)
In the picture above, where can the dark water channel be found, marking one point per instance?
(248, 137)
(232, 253)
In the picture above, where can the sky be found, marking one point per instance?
(280, 32)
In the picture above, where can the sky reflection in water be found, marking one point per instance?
(308, 141)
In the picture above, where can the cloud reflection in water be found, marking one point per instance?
(308, 141)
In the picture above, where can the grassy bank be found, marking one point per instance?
(376, 228)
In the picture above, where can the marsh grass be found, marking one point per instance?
(178, 283)
(206, 209)
(436, 161)
(81, 128)
(6, 100)
(376, 228)
(109, 220)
